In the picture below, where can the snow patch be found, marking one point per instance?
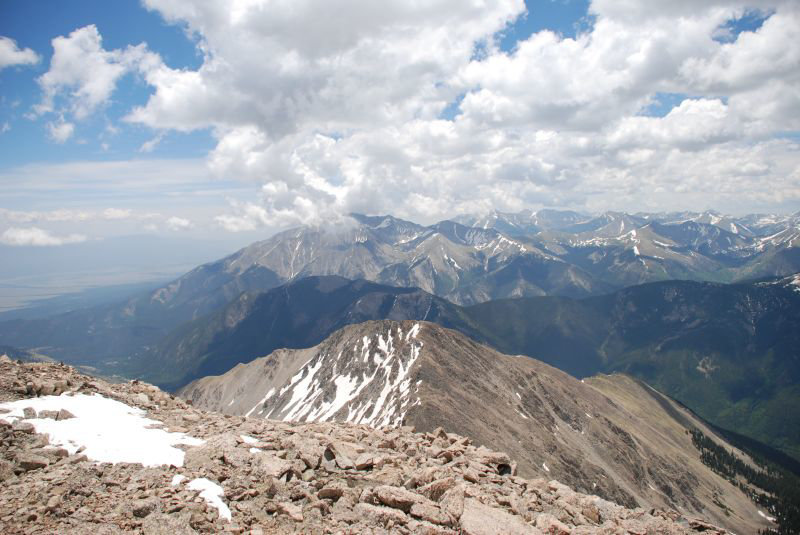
(413, 332)
(385, 345)
(386, 222)
(248, 439)
(400, 383)
(796, 283)
(109, 430)
(409, 239)
(301, 387)
(177, 479)
(770, 518)
(453, 262)
(260, 403)
(365, 348)
(212, 494)
(385, 376)
(347, 388)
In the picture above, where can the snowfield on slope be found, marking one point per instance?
(110, 431)
(386, 371)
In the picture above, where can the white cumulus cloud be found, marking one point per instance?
(117, 213)
(83, 75)
(33, 236)
(60, 131)
(63, 215)
(81, 67)
(328, 108)
(286, 67)
(151, 144)
(178, 223)
(11, 54)
(60, 215)
(334, 118)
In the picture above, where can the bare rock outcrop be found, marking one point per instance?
(261, 476)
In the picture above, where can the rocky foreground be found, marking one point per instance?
(238, 475)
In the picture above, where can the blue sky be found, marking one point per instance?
(231, 121)
(566, 17)
(129, 23)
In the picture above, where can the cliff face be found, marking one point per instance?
(611, 436)
(191, 471)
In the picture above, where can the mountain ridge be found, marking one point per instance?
(605, 435)
(702, 343)
(465, 265)
(477, 264)
(234, 474)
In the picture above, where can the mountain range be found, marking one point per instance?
(515, 255)
(560, 286)
(215, 316)
(728, 351)
(702, 309)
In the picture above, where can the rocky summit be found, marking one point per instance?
(80, 455)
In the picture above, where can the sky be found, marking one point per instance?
(235, 118)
